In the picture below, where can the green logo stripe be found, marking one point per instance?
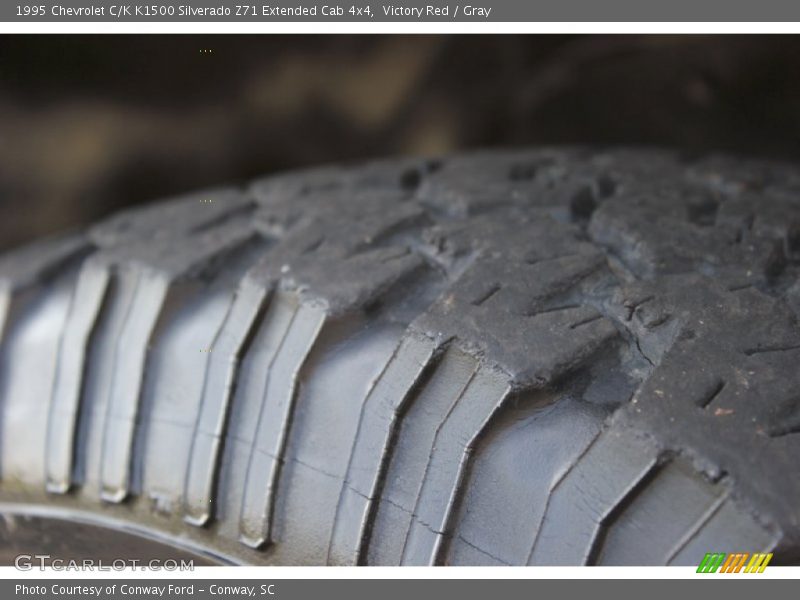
(701, 568)
(711, 562)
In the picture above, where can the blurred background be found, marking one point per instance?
(89, 124)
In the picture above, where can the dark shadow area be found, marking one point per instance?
(89, 124)
(31, 539)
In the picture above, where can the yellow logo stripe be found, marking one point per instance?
(758, 563)
(765, 563)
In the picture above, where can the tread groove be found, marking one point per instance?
(379, 419)
(90, 294)
(246, 529)
(211, 423)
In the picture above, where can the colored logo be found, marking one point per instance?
(734, 563)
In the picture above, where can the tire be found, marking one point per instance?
(556, 356)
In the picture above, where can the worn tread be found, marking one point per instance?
(473, 311)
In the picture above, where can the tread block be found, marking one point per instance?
(154, 278)
(28, 356)
(454, 442)
(377, 427)
(38, 261)
(98, 376)
(87, 300)
(727, 528)
(123, 402)
(173, 392)
(416, 437)
(661, 513)
(514, 472)
(32, 264)
(587, 494)
(201, 476)
(349, 356)
(246, 406)
(266, 454)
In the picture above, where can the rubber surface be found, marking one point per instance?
(557, 356)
